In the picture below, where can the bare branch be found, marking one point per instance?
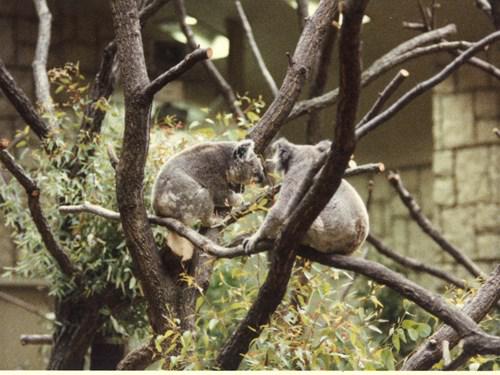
(422, 87)
(176, 71)
(413, 263)
(380, 66)
(298, 68)
(42, 86)
(222, 85)
(36, 340)
(430, 352)
(302, 12)
(384, 96)
(33, 193)
(23, 305)
(255, 49)
(428, 228)
(22, 104)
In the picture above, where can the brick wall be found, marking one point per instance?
(466, 163)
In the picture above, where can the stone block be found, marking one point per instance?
(442, 163)
(471, 173)
(487, 217)
(458, 120)
(458, 227)
(397, 207)
(421, 246)
(484, 131)
(488, 246)
(437, 120)
(494, 172)
(426, 189)
(381, 189)
(471, 78)
(377, 218)
(7, 41)
(443, 192)
(410, 178)
(447, 86)
(487, 104)
(399, 238)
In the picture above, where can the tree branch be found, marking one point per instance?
(430, 352)
(307, 47)
(413, 263)
(42, 86)
(384, 96)
(33, 193)
(139, 359)
(176, 71)
(283, 255)
(302, 12)
(22, 104)
(222, 85)
(422, 87)
(427, 227)
(36, 340)
(158, 287)
(380, 66)
(255, 49)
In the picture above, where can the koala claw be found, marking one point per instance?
(249, 244)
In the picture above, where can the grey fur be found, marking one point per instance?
(191, 184)
(341, 227)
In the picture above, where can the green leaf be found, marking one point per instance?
(413, 333)
(396, 342)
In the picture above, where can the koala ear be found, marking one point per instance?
(243, 149)
(324, 145)
(282, 153)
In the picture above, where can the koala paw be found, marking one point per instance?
(249, 243)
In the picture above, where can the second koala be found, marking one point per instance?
(341, 227)
(191, 184)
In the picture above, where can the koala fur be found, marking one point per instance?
(341, 227)
(191, 184)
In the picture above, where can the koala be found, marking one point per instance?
(340, 228)
(193, 183)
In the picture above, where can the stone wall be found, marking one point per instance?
(466, 163)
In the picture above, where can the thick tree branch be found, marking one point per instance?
(380, 66)
(176, 71)
(222, 85)
(157, 286)
(426, 226)
(42, 86)
(33, 193)
(430, 352)
(300, 64)
(22, 104)
(283, 254)
(255, 49)
(384, 95)
(139, 359)
(413, 263)
(422, 87)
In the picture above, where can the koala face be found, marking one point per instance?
(246, 166)
(287, 155)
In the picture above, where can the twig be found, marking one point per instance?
(22, 104)
(224, 88)
(199, 54)
(33, 193)
(113, 159)
(428, 228)
(307, 48)
(380, 66)
(255, 49)
(23, 305)
(426, 85)
(302, 12)
(413, 263)
(384, 96)
(476, 307)
(42, 87)
(496, 131)
(36, 340)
